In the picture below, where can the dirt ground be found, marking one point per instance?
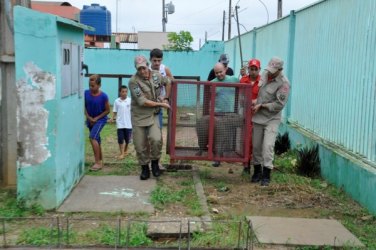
(232, 194)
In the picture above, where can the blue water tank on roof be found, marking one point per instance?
(98, 17)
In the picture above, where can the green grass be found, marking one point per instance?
(127, 166)
(221, 186)
(314, 248)
(221, 234)
(10, 207)
(286, 162)
(39, 236)
(109, 236)
(164, 195)
(137, 235)
(103, 235)
(43, 236)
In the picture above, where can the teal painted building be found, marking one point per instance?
(49, 106)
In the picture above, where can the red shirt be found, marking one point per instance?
(255, 87)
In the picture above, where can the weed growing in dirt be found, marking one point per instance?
(286, 162)
(183, 193)
(38, 236)
(110, 236)
(221, 186)
(10, 207)
(104, 235)
(314, 248)
(221, 234)
(138, 235)
(205, 174)
(162, 196)
(43, 236)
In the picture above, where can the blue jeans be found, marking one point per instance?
(161, 118)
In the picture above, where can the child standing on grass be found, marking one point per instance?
(122, 114)
(96, 109)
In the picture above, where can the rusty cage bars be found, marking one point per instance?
(196, 126)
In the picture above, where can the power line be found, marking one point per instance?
(240, 24)
(267, 11)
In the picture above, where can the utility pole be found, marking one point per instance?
(223, 25)
(117, 7)
(229, 21)
(163, 16)
(240, 40)
(279, 13)
(8, 107)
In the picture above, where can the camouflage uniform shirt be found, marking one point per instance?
(143, 90)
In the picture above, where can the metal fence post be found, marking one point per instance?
(290, 59)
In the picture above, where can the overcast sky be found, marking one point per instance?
(195, 16)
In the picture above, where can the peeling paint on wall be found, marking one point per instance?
(33, 92)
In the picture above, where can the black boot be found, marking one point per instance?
(265, 177)
(256, 177)
(155, 168)
(145, 173)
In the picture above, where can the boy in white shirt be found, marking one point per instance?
(122, 114)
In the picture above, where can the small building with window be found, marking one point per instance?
(50, 106)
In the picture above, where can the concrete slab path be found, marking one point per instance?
(163, 227)
(110, 194)
(303, 232)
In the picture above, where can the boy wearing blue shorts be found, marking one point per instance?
(96, 109)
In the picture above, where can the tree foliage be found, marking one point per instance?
(180, 41)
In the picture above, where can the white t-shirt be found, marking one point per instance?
(162, 70)
(123, 113)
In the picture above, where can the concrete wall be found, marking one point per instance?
(48, 125)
